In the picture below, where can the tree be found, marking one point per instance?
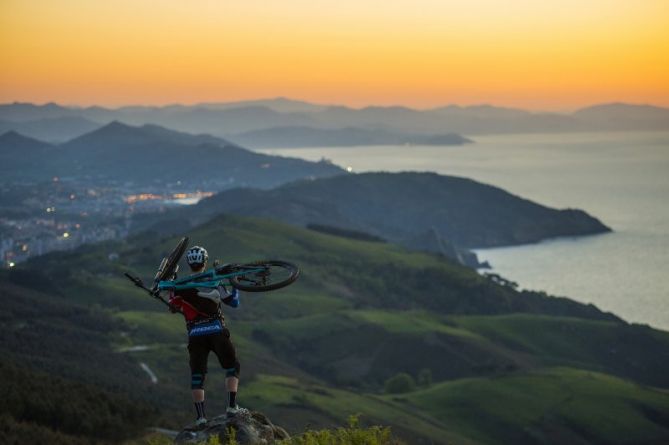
(400, 383)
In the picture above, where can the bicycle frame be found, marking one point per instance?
(210, 279)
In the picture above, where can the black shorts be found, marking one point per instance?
(220, 344)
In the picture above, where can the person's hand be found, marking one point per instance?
(223, 290)
(233, 298)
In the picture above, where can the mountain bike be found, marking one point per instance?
(257, 276)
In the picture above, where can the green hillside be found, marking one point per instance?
(551, 405)
(505, 366)
(401, 206)
(419, 210)
(37, 407)
(61, 381)
(346, 271)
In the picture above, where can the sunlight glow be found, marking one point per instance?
(420, 53)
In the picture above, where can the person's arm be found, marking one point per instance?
(212, 294)
(221, 294)
(232, 298)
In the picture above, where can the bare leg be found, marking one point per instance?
(231, 384)
(198, 395)
(198, 401)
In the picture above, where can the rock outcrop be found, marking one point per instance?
(248, 428)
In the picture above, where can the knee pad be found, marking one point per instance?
(233, 372)
(197, 381)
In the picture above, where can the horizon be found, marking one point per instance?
(247, 102)
(554, 55)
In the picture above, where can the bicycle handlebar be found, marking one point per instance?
(154, 293)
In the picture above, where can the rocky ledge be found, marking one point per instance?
(248, 428)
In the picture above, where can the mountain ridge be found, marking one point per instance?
(118, 151)
(266, 103)
(15, 138)
(226, 119)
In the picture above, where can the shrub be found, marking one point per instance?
(400, 383)
(353, 434)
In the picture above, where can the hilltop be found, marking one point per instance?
(364, 312)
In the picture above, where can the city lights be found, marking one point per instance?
(196, 196)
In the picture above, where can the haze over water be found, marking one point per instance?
(620, 178)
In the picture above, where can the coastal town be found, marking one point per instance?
(36, 219)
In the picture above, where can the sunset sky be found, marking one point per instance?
(555, 55)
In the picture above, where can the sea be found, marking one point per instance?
(621, 178)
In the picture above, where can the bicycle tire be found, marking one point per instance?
(237, 281)
(172, 260)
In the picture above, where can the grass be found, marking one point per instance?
(271, 393)
(293, 302)
(539, 403)
(351, 434)
(612, 347)
(543, 404)
(411, 323)
(155, 326)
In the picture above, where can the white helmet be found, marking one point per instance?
(196, 256)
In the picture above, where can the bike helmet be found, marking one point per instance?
(196, 256)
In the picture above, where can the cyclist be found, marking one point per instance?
(207, 332)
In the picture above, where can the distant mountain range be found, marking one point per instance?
(149, 155)
(293, 123)
(52, 129)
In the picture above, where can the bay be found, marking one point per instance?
(620, 178)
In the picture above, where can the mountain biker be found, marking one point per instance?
(207, 332)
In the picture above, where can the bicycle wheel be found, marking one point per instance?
(169, 263)
(263, 276)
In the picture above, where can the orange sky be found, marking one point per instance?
(527, 53)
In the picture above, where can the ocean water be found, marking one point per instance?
(620, 178)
